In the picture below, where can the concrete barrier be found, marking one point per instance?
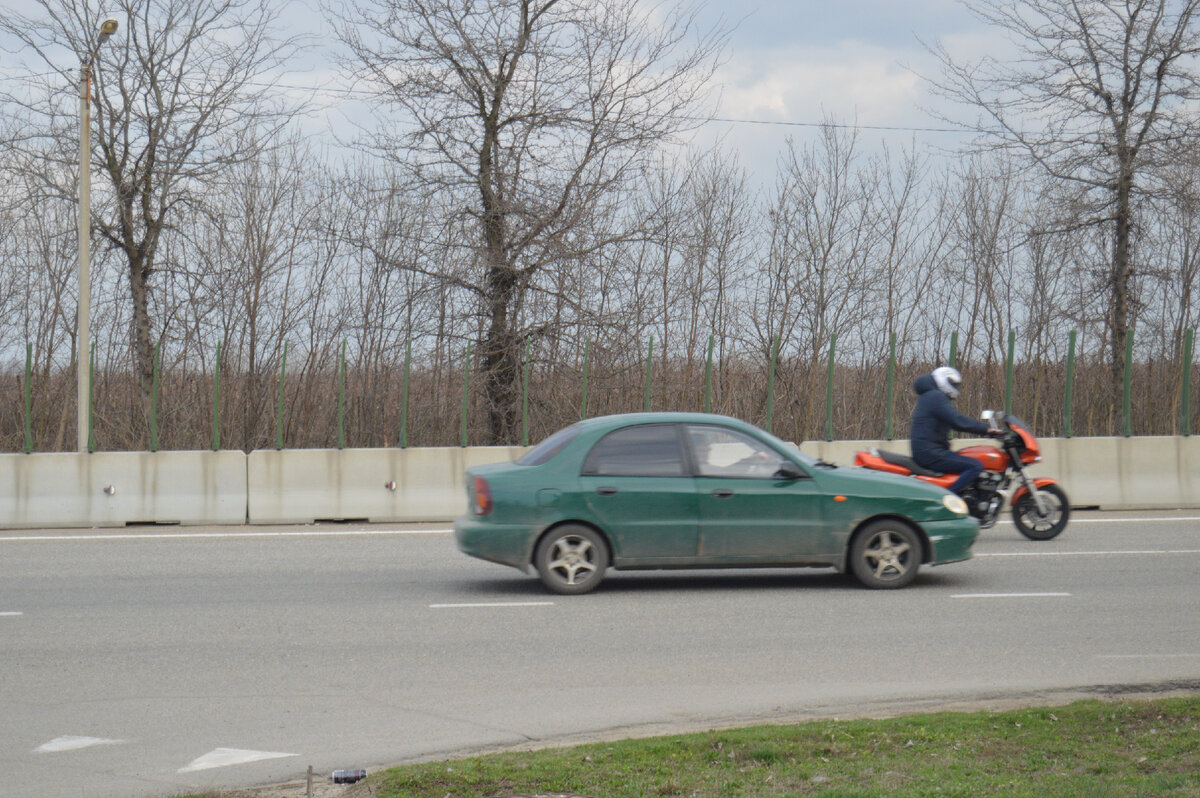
(112, 489)
(306, 485)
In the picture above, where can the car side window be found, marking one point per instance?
(644, 450)
(723, 452)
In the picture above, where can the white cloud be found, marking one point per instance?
(850, 81)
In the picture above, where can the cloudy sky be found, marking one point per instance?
(790, 64)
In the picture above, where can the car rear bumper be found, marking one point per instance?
(507, 544)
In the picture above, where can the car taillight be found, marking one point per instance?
(483, 497)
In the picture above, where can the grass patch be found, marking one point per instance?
(1095, 749)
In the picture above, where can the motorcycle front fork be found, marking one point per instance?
(1038, 500)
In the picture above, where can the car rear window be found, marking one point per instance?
(548, 448)
(645, 450)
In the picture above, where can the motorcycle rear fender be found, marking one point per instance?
(1040, 482)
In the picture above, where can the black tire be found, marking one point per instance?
(1036, 527)
(571, 559)
(886, 554)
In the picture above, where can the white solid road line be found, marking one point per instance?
(493, 604)
(312, 533)
(1008, 595)
(1083, 553)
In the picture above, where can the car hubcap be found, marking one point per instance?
(887, 556)
(573, 558)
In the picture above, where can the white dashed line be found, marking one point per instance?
(1147, 656)
(10, 614)
(72, 743)
(224, 757)
(494, 604)
(1008, 595)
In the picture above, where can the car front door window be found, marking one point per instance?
(723, 452)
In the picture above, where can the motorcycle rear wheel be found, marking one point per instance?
(1038, 527)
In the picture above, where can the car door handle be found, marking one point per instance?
(722, 493)
(606, 491)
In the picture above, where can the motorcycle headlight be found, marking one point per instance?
(954, 504)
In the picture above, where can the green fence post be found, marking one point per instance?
(953, 362)
(154, 398)
(462, 436)
(708, 376)
(279, 402)
(1069, 392)
(28, 397)
(888, 431)
(1008, 371)
(771, 382)
(404, 396)
(1127, 391)
(91, 436)
(649, 373)
(829, 390)
(525, 399)
(587, 364)
(216, 427)
(341, 407)
(1185, 386)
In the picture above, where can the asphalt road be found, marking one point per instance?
(152, 661)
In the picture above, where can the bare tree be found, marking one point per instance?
(529, 113)
(1095, 96)
(176, 97)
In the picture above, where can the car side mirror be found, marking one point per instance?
(789, 470)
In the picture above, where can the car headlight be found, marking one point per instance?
(954, 504)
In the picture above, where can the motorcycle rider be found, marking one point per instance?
(932, 420)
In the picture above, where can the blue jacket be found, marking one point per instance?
(933, 419)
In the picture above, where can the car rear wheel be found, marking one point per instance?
(571, 559)
(886, 554)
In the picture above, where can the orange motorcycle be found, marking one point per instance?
(1039, 506)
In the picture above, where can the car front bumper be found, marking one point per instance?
(951, 540)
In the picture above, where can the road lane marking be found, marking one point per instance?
(1083, 553)
(10, 614)
(1078, 520)
(493, 604)
(1008, 595)
(72, 743)
(1147, 656)
(224, 757)
(196, 535)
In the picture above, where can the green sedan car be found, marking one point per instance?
(693, 490)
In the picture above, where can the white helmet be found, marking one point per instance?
(948, 381)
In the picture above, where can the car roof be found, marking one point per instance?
(662, 417)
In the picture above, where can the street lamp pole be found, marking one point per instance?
(83, 332)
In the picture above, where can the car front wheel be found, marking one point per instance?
(571, 559)
(886, 554)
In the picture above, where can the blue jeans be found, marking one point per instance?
(948, 462)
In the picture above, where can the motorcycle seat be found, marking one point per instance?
(905, 462)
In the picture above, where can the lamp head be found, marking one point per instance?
(107, 28)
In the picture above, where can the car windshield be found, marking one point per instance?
(548, 448)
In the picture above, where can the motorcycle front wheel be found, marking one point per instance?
(1035, 526)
